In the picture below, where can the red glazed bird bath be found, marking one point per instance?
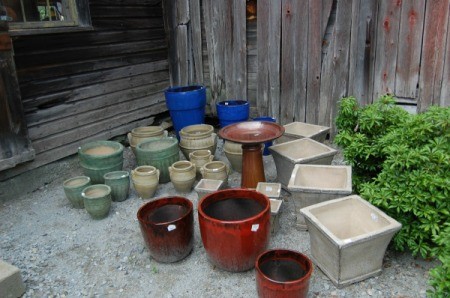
(167, 227)
(251, 135)
(235, 227)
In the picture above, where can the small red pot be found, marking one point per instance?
(167, 225)
(283, 273)
(235, 227)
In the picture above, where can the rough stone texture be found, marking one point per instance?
(62, 252)
(11, 284)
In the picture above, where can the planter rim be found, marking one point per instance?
(221, 167)
(218, 183)
(183, 165)
(232, 190)
(87, 179)
(208, 130)
(201, 151)
(146, 173)
(235, 103)
(170, 140)
(101, 186)
(392, 227)
(147, 129)
(177, 201)
(285, 251)
(274, 149)
(260, 185)
(116, 175)
(320, 129)
(118, 149)
(184, 89)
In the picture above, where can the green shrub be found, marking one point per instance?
(401, 164)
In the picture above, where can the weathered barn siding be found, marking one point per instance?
(82, 86)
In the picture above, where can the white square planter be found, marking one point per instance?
(302, 151)
(272, 190)
(275, 210)
(313, 184)
(300, 130)
(349, 237)
(207, 186)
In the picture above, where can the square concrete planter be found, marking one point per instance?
(349, 237)
(207, 186)
(275, 212)
(272, 190)
(302, 151)
(313, 184)
(300, 130)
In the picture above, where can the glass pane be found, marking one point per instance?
(37, 10)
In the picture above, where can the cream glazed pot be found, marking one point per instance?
(182, 174)
(143, 133)
(197, 137)
(145, 180)
(216, 170)
(199, 158)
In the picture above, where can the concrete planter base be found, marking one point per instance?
(300, 130)
(275, 212)
(349, 237)
(313, 184)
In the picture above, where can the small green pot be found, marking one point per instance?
(119, 181)
(96, 174)
(73, 188)
(97, 200)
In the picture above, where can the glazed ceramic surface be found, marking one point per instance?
(182, 175)
(100, 154)
(167, 225)
(97, 174)
(197, 137)
(97, 200)
(144, 133)
(282, 273)
(349, 237)
(145, 181)
(119, 181)
(73, 188)
(235, 227)
(216, 170)
(199, 158)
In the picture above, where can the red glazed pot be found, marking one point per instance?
(167, 227)
(235, 227)
(283, 273)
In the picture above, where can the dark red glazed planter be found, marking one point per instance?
(235, 227)
(167, 225)
(283, 273)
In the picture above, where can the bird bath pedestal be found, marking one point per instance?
(251, 135)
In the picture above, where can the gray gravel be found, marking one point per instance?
(62, 252)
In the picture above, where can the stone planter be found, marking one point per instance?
(302, 151)
(349, 237)
(275, 212)
(182, 175)
(313, 184)
(272, 190)
(207, 186)
(300, 130)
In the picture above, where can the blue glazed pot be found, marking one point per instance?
(186, 105)
(232, 111)
(266, 144)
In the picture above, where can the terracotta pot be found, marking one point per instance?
(199, 158)
(97, 200)
(145, 181)
(167, 225)
(216, 170)
(182, 175)
(119, 181)
(283, 273)
(144, 133)
(73, 188)
(197, 137)
(235, 227)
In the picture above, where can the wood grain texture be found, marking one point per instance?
(196, 41)
(445, 88)
(287, 67)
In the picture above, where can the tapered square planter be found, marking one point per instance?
(300, 130)
(313, 184)
(272, 190)
(275, 212)
(207, 186)
(302, 151)
(349, 237)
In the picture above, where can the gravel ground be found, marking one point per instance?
(62, 252)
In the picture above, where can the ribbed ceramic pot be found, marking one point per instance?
(100, 154)
(97, 200)
(199, 158)
(119, 181)
(73, 188)
(145, 181)
(282, 273)
(233, 152)
(167, 225)
(160, 153)
(182, 175)
(235, 227)
(144, 133)
(216, 170)
(198, 137)
(97, 174)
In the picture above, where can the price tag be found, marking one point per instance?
(171, 227)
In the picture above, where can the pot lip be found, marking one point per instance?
(274, 149)
(184, 132)
(206, 151)
(222, 166)
(234, 103)
(115, 175)
(102, 186)
(286, 251)
(146, 129)
(172, 141)
(232, 190)
(183, 165)
(87, 180)
(185, 89)
(147, 173)
(143, 220)
(118, 149)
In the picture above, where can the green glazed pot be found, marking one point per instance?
(96, 174)
(100, 154)
(160, 153)
(97, 200)
(73, 188)
(119, 181)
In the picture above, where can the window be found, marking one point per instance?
(46, 16)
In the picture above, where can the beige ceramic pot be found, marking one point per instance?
(216, 170)
(197, 137)
(144, 133)
(145, 180)
(182, 174)
(199, 158)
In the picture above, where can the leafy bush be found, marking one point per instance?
(401, 164)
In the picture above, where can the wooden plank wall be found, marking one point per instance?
(306, 55)
(83, 86)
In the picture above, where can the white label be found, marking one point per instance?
(255, 227)
(268, 188)
(374, 216)
(171, 227)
